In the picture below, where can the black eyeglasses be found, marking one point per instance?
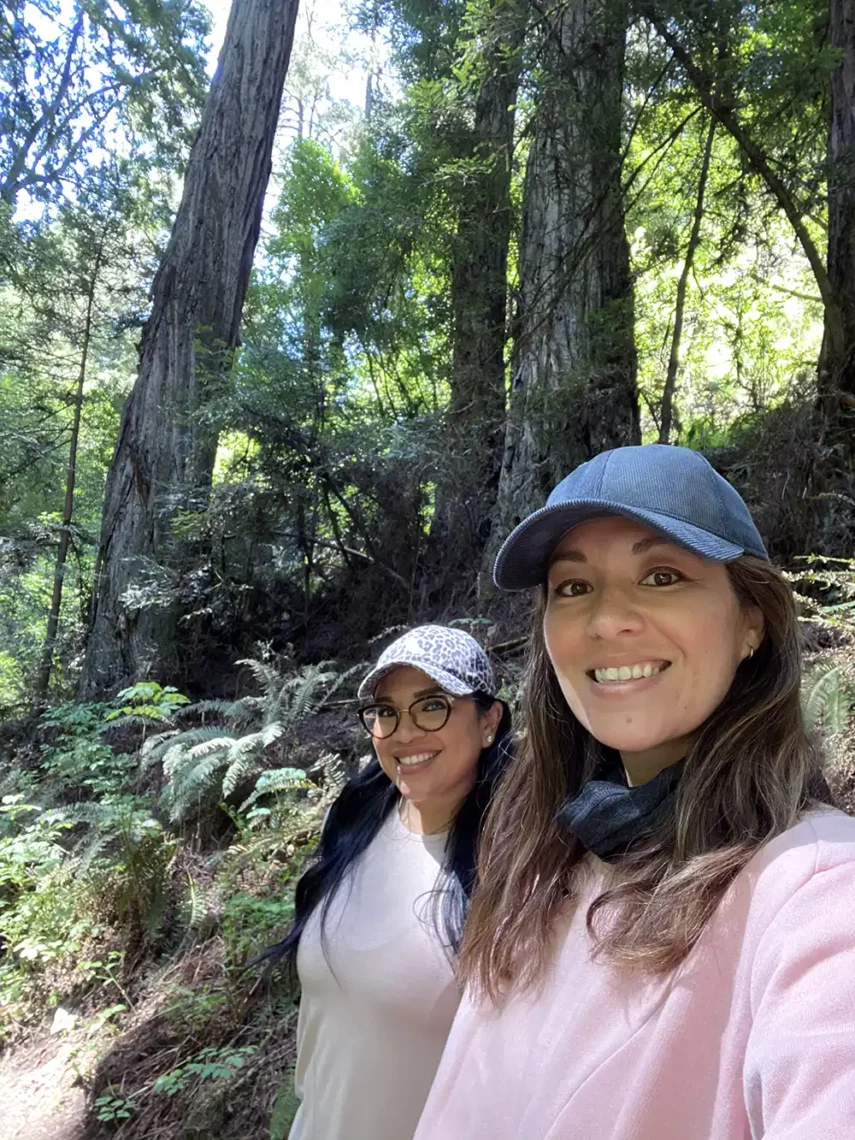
(430, 714)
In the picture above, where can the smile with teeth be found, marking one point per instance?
(420, 758)
(616, 674)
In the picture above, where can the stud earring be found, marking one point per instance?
(489, 739)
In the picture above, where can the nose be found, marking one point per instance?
(612, 615)
(407, 730)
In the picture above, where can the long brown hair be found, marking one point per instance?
(750, 775)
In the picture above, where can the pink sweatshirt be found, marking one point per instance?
(753, 1036)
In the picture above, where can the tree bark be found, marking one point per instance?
(469, 479)
(667, 412)
(46, 663)
(573, 386)
(837, 359)
(164, 456)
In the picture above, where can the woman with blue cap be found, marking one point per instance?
(379, 915)
(661, 945)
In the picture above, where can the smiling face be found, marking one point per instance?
(435, 771)
(644, 637)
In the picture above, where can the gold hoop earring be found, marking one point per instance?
(750, 652)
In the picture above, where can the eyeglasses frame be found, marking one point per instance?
(449, 698)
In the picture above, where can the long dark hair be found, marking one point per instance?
(354, 820)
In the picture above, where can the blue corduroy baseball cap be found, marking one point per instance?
(673, 490)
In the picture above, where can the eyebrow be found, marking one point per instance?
(640, 547)
(416, 696)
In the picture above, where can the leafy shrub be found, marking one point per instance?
(147, 702)
(76, 756)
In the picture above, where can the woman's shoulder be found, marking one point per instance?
(823, 838)
(822, 843)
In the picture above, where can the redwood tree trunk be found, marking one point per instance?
(469, 479)
(573, 385)
(164, 456)
(837, 361)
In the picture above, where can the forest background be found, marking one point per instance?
(287, 347)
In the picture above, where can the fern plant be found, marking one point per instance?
(125, 853)
(829, 697)
(206, 763)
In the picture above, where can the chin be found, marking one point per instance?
(630, 742)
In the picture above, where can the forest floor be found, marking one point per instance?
(40, 1097)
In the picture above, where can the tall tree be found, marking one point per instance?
(479, 289)
(837, 360)
(165, 453)
(573, 384)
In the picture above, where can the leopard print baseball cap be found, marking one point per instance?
(450, 657)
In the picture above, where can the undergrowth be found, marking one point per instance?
(149, 848)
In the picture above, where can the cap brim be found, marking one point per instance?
(450, 683)
(523, 560)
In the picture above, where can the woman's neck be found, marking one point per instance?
(643, 766)
(426, 819)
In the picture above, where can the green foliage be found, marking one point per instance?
(71, 80)
(829, 697)
(825, 589)
(251, 924)
(113, 1109)
(210, 1065)
(126, 854)
(39, 920)
(77, 757)
(205, 764)
(191, 1009)
(273, 781)
(148, 701)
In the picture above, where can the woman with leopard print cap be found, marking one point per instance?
(379, 915)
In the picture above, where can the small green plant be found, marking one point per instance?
(125, 855)
(146, 702)
(38, 914)
(192, 1009)
(112, 1109)
(251, 924)
(106, 971)
(209, 1065)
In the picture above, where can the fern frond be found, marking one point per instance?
(275, 780)
(221, 743)
(220, 708)
(239, 769)
(342, 679)
(156, 746)
(266, 675)
(828, 700)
